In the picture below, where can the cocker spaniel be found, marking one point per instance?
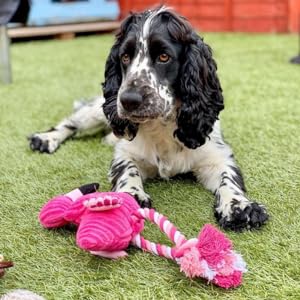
(162, 98)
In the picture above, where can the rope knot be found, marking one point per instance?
(211, 256)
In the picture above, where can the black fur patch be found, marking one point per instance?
(116, 171)
(72, 128)
(238, 178)
(51, 129)
(134, 188)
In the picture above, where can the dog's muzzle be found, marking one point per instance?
(131, 100)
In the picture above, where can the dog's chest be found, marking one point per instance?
(158, 148)
(171, 159)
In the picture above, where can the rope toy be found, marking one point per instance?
(108, 222)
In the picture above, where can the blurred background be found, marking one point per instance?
(207, 15)
(65, 19)
(230, 15)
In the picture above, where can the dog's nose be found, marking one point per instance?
(131, 100)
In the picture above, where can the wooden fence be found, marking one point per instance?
(230, 15)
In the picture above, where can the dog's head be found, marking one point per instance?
(157, 68)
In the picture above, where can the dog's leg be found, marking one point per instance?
(220, 174)
(86, 117)
(125, 177)
(127, 174)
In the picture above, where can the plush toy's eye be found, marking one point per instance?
(125, 59)
(163, 58)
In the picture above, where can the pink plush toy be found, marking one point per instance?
(108, 222)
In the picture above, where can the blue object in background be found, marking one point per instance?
(48, 12)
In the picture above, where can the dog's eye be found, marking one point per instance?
(125, 59)
(164, 58)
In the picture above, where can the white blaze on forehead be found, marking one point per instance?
(141, 62)
(152, 14)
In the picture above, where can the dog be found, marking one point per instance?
(162, 98)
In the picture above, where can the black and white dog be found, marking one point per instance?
(162, 98)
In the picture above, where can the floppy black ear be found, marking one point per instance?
(112, 83)
(200, 93)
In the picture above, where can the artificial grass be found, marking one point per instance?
(261, 122)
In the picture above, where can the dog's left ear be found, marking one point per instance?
(200, 93)
(112, 83)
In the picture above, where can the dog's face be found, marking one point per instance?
(150, 63)
(159, 67)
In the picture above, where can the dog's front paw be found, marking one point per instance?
(43, 142)
(240, 217)
(143, 200)
(140, 196)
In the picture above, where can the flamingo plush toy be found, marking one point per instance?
(108, 222)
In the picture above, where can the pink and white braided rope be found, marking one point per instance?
(165, 226)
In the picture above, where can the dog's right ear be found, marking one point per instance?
(113, 79)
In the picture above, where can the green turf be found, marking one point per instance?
(261, 122)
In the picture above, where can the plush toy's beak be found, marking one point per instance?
(103, 202)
